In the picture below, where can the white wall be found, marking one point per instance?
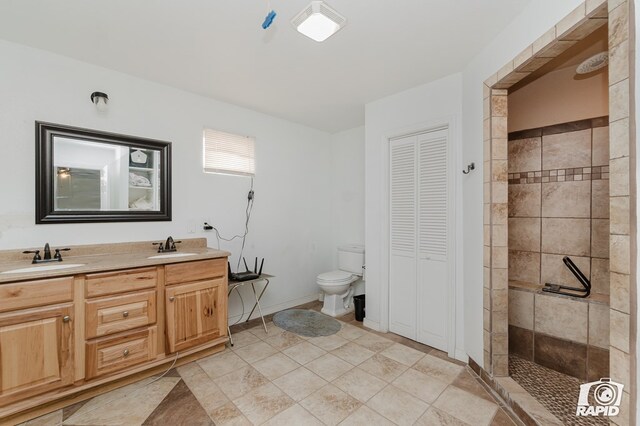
(291, 223)
(431, 104)
(347, 153)
(535, 20)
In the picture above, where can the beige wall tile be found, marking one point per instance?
(554, 271)
(499, 236)
(525, 200)
(486, 320)
(619, 62)
(600, 199)
(556, 48)
(486, 277)
(620, 330)
(486, 130)
(500, 278)
(620, 215)
(600, 146)
(499, 257)
(521, 308)
(560, 317)
(619, 292)
(618, 22)
(486, 214)
(499, 300)
(600, 238)
(570, 21)
(619, 138)
(619, 250)
(486, 171)
(599, 325)
(523, 57)
(571, 149)
(534, 63)
(525, 155)
(619, 363)
(619, 100)
(500, 322)
(500, 343)
(499, 148)
(499, 127)
(524, 266)
(600, 275)
(544, 40)
(499, 213)
(593, 5)
(487, 192)
(499, 106)
(499, 192)
(499, 170)
(566, 199)
(566, 236)
(524, 234)
(486, 108)
(619, 177)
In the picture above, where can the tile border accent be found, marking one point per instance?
(583, 20)
(560, 175)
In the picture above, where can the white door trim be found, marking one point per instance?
(455, 278)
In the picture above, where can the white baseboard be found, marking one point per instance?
(371, 324)
(266, 310)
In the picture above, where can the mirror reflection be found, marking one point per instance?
(95, 176)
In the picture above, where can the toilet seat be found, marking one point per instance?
(335, 278)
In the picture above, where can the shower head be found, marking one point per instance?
(594, 63)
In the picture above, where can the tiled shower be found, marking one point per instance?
(559, 206)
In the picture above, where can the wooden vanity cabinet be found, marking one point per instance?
(36, 351)
(62, 336)
(196, 313)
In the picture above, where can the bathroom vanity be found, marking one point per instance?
(122, 313)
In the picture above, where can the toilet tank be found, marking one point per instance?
(351, 258)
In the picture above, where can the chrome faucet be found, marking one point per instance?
(57, 257)
(168, 247)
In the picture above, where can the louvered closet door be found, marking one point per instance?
(403, 259)
(433, 240)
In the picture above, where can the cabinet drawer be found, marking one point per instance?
(195, 271)
(29, 294)
(119, 313)
(107, 283)
(108, 355)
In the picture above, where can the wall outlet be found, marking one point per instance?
(191, 226)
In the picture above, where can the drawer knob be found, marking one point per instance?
(125, 314)
(125, 352)
(171, 299)
(66, 318)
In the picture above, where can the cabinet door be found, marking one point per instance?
(196, 313)
(36, 352)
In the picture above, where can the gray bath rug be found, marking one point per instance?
(306, 323)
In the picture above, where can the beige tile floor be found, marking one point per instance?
(355, 377)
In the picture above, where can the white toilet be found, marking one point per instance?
(337, 285)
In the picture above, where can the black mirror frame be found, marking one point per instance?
(45, 212)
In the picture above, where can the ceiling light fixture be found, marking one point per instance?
(318, 21)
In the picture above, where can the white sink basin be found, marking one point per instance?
(41, 268)
(170, 255)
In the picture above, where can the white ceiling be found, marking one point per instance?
(217, 48)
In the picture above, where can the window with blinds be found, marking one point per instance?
(228, 153)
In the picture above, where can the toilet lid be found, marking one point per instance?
(335, 276)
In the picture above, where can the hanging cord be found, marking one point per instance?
(248, 211)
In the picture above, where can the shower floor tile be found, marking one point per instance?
(557, 392)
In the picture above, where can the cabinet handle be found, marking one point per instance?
(171, 299)
(125, 314)
(125, 352)
(66, 318)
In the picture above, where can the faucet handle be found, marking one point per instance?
(160, 248)
(36, 254)
(173, 246)
(58, 255)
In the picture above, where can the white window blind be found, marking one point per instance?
(228, 153)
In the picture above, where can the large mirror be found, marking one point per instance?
(91, 176)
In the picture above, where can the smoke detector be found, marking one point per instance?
(318, 21)
(594, 63)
